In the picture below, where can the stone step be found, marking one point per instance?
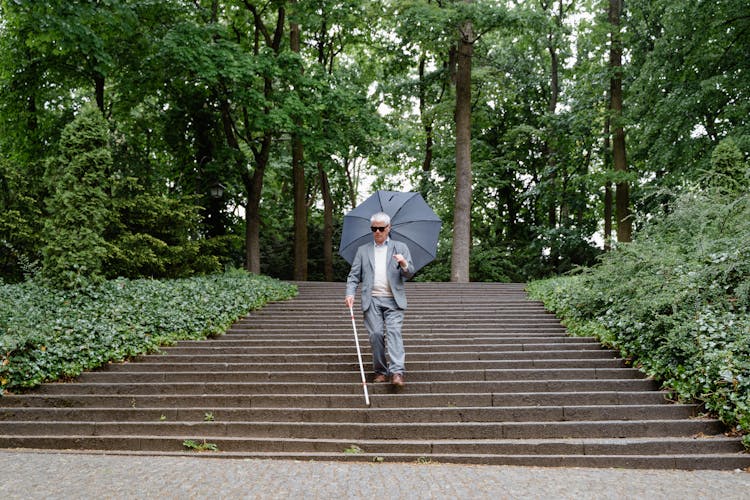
(353, 387)
(435, 330)
(156, 445)
(402, 415)
(234, 446)
(346, 341)
(413, 375)
(336, 400)
(374, 430)
(336, 318)
(412, 320)
(323, 368)
(413, 349)
(366, 357)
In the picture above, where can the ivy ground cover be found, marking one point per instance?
(48, 334)
(676, 302)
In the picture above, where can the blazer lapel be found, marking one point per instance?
(371, 256)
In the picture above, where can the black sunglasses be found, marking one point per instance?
(375, 228)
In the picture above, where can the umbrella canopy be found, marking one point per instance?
(412, 221)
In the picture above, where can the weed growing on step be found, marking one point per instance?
(208, 417)
(353, 450)
(204, 446)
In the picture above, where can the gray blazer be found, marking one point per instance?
(363, 271)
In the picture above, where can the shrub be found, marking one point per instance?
(75, 248)
(46, 334)
(676, 301)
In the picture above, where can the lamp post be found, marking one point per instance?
(216, 190)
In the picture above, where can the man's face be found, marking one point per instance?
(380, 231)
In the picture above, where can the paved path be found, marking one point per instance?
(31, 475)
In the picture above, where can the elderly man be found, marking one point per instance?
(382, 267)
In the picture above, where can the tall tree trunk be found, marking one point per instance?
(325, 186)
(298, 175)
(556, 207)
(622, 194)
(300, 210)
(461, 249)
(325, 189)
(99, 90)
(351, 181)
(254, 187)
(549, 150)
(607, 190)
(254, 184)
(427, 125)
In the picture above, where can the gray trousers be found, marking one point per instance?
(383, 320)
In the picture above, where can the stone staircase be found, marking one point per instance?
(492, 379)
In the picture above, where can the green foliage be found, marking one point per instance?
(688, 69)
(47, 334)
(353, 450)
(676, 301)
(729, 174)
(194, 95)
(78, 209)
(20, 222)
(191, 444)
(157, 236)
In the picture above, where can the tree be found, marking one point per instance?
(78, 210)
(686, 71)
(622, 189)
(298, 175)
(462, 205)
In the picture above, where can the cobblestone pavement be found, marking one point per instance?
(54, 475)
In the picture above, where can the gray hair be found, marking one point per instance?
(381, 217)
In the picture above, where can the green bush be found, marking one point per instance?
(47, 334)
(676, 301)
(75, 248)
(157, 236)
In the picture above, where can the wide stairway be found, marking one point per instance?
(492, 379)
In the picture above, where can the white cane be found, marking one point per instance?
(359, 357)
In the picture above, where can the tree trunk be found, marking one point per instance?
(427, 125)
(300, 210)
(99, 91)
(254, 188)
(607, 190)
(298, 175)
(549, 150)
(325, 189)
(254, 184)
(252, 232)
(462, 209)
(622, 194)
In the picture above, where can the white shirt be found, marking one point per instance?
(380, 286)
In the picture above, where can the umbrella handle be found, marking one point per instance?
(359, 357)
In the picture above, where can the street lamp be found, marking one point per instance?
(216, 190)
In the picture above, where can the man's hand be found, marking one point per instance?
(401, 260)
(349, 301)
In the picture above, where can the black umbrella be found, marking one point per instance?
(412, 221)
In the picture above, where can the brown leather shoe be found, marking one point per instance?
(379, 377)
(397, 380)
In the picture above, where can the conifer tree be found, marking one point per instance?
(77, 207)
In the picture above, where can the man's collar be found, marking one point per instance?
(384, 244)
